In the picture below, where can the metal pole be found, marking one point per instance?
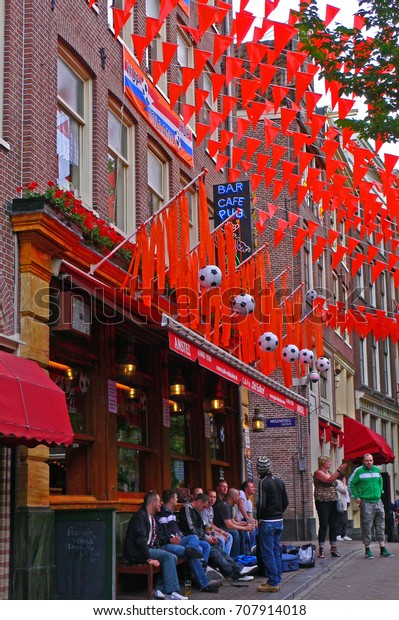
(94, 268)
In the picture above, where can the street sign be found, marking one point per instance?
(280, 422)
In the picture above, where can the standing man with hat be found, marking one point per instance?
(272, 502)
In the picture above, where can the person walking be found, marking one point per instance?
(325, 495)
(365, 486)
(272, 502)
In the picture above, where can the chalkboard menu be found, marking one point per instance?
(84, 554)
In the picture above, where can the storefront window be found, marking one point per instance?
(128, 470)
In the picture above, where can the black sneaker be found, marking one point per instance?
(192, 552)
(211, 588)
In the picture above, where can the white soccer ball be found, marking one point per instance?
(323, 364)
(244, 303)
(290, 353)
(306, 356)
(268, 341)
(311, 295)
(314, 376)
(210, 276)
(84, 382)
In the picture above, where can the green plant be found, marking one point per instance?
(96, 231)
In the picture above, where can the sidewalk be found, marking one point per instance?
(294, 583)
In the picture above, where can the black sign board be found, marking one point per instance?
(84, 554)
(234, 199)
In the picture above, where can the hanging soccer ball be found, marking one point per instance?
(311, 295)
(290, 353)
(84, 382)
(244, 303)
(210, 276)
(323, 364)
(306, 356)
(268, 342)
(314, 376)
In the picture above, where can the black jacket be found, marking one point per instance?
(272, 498)
(191, 522)
(166, 526)
(136, 546)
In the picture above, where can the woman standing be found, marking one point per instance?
(325, 495)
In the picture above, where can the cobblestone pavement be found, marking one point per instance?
(344, 578)
(356, 578)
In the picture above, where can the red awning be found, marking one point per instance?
(33, 408)
(360, 440)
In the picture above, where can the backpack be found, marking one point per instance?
(307, 555)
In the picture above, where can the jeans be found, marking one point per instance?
(342, 522)
(226, 544)
(195, 565)
(372, 513)
(327, 512)
(168, 581)
(238, 544)
(269, 535)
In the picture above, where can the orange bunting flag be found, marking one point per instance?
(338, 255)
(262, 161)
(312, 100)
(294, 61)
(248, 89)
(256, 180)
(234, 68)
(175, 90)
(256, 53)
(287, 116)
(202, 131)
(242, 126)
(318, 248)
(299, 240)
(271, 132)
(200, 59)
(277, 153)
(292, 219)
(243, 22)
(165, 9)
(331, 12)
(282, 34)
(207, 15)
(139, 45)
(267, 73)
(120, 17)
(220, 45)
(218, 81)
(344, 107)
(302, 82)
(200, 97)
(225, 138)
(221, 161)
(312, 227)
(278, 93)
(377, 269)
(251, 145)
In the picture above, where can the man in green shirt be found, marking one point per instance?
(365, 485)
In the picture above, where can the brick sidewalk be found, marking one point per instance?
(294, 583)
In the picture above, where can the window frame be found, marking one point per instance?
(151, 148)
(85, 125)
(128, 164)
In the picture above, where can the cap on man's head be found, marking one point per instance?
(263, 465)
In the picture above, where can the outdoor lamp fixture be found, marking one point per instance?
(178, 389)
(175, 407)
(217, 404)
(258, 421)
(134, 394)
(127, 369)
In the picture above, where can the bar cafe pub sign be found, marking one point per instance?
(234, 199)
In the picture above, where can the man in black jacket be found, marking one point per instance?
(171, 538)
(191, 522)
(272, 502)
(141, 546)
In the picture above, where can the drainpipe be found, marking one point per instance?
(302, 470)
(242, 436)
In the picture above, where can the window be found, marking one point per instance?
(307, 264)
(363, 361)
(157, 181)
(384, 291)
(209, 105)
(185, 58)
(375, 365)
(371, 288)
(74, 152)
(154, 51)
(193, 212)
(120, 173)
(387, 369)
(360, 283)
(127, 30)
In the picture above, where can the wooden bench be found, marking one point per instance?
(124, 568)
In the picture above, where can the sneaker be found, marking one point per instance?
(244, 578)
(265, 587)
(368, 555)
(211, 588)
(340, 538)
(346, 538)
(248, 570)
(159, 594)
(384, 553)
(176, 596)
(192, 552)
(213, 575)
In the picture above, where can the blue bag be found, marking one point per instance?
(246, 560)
